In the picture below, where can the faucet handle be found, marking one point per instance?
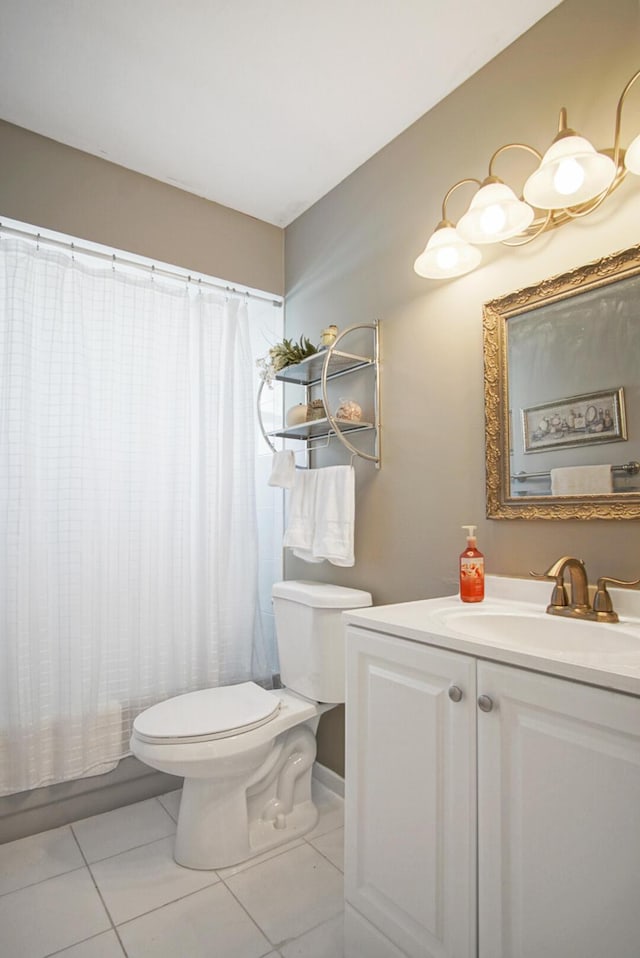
(602, 603)
(544, 575)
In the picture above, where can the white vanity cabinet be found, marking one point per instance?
(410, 860)
(558, 818)
(491, 811)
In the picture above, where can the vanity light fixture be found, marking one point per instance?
(571, 180)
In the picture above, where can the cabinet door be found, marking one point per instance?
(558, 818)
(410, 864)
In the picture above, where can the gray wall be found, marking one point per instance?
(55, 186)
(350, 258)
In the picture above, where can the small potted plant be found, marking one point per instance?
(286, 353)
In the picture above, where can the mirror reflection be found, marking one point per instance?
(562, 383)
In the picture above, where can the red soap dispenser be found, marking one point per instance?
(471, 569)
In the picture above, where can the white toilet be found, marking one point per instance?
(246, 753)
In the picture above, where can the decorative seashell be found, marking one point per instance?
(350, 410)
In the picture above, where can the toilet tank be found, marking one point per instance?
(310, 636)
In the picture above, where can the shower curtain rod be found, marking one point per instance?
(112, 258)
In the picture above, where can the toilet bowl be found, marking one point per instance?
(246, 753)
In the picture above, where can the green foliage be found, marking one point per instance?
(288, 352)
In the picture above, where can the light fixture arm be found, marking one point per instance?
(468, 179)
(618, 127)
(563, 128)
(539, 225)
(512, 146)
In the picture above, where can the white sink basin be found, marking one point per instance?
(542, 632)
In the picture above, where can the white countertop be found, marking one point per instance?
(425, 621)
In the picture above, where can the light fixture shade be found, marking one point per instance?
(446, 255)
(571, 172)
(495, 214)
(632, 156)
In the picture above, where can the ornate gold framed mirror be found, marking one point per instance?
(562, 395)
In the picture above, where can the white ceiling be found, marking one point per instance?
(261, 105)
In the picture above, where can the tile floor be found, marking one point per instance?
(107, 887)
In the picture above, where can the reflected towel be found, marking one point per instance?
(581, 480)
(322, 515)
(283, 469)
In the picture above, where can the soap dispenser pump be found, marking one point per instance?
(471, 569)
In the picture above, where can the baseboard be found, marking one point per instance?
(45, 808)
(328, 778)
(39, 810)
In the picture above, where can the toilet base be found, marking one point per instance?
(225, 823)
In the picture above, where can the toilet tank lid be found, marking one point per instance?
(321, 595)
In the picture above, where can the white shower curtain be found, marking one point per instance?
(128, 540)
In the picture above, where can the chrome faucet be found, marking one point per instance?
(580, 607)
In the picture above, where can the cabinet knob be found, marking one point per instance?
(455, 693)
(485, 703)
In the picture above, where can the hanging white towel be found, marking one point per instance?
(322, 515)
(283, 469)
(300, 527)
(335, 515)
(581, 480)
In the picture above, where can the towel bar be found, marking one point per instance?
(631, 468)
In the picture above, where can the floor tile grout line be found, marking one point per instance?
(219, 880)
(41, 881)
(275, 945)
(95, 885)
(322, 834)
(85, 860)
(170, 814)
(123, 851)
(249, 863)
(272, 945)
(166, 904)
(289, 941)
(158, 799)
(326, 857)
(61, 951)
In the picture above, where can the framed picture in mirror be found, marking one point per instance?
(575, 421)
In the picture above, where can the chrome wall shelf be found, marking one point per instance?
(316, 372)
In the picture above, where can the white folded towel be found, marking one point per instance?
(283, 469)
(322, 515)
(581, 480)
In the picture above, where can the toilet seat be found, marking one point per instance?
(207, 715)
